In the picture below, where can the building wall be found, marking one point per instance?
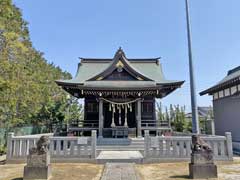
(227, 116)
(148, 109)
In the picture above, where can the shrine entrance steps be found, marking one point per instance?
(125, 144)
(125, 150)
(119, 157)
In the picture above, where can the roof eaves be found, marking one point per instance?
(220, 86)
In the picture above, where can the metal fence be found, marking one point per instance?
(176, 148)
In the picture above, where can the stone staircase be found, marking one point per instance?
(120, 150)
(111, 144)
(119, 157)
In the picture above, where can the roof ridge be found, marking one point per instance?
(233, 70)
(131, 60)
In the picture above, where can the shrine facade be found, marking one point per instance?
(119, 95)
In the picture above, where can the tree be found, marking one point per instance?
(160, 114)
(29, 94)
(176, 115)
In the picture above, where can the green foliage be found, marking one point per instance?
(176, 115)
(3, 149)
(29, 94)
(179, 122)
(160, 113)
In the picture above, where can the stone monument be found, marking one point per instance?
(38, 161)
(202, 165)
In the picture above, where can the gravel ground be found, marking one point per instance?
(59, 171)
(163, 171)
(179, 171)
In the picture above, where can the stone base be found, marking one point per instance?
(39, 173)
(202, 171)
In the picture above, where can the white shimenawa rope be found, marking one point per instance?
(116, 106)
(117, 103)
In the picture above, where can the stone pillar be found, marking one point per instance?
(228, 136)
(202, 163)
(213, 126)
(146, 143)
(93, 144)
(9, 146)
(100, 109)
(139, 118)
(38, 161)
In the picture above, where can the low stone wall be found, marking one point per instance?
(83, 149)
(177, 148)
(62, 149)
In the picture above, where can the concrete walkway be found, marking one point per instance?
(120, 171)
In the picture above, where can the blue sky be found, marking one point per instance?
(66, 30)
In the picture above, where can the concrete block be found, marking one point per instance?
(202, 171)
(39, 173)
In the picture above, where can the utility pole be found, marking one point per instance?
(195, 121)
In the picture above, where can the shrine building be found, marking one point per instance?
(119, 95)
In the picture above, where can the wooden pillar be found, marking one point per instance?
(100, 129)
(139, 118)
(125, 121)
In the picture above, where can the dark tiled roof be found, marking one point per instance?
(150, 60)
(148, 72)
(203, 112)
(232, 78)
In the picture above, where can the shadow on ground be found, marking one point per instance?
(180, 177)
(17, 179)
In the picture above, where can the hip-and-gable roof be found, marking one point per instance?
(92, 74)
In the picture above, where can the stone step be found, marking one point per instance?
(121, 146)
(119, 141)
(120, 149)
(119, 157)
(115, 147)
(114, 144)
(113, 141)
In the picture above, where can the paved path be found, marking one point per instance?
(120, 171)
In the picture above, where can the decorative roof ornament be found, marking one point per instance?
(120, 52)
(119, 64)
